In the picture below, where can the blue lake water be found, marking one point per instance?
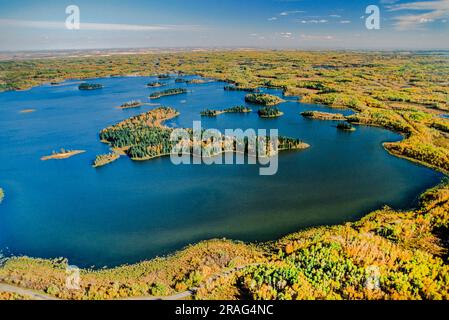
(130, 211)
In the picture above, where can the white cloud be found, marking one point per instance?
(345, 21)
(286, 35)
(89, 26)
(272, 19)
(314, 21)
(286, 13)
(306, 37)
(431, 11)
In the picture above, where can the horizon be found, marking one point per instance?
(271, 25)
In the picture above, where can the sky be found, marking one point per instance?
(289, 24)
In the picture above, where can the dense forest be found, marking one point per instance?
(269, 112)
(104, 159)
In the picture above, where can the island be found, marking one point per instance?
(168, 92)
(132, 104)
(269, 112)
(104, 159)
(214, 113)
(155, 84)
(90, 86)
(345, 126)
(2, 195)
(140, 137)
(144, 137)
(62, 154)
(263, 99)
(318, 115)
(27, 111)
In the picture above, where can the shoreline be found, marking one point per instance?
(256, 254)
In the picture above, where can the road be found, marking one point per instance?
(4, 287)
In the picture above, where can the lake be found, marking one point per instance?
(129, 211)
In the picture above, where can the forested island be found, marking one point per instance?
(2, 195)
(345, 126)
(131, 104)
(168, 92)
(143, 137)
(90, 86)
(155, 84)
(104, 159)
(236, 109)
(263, 99)
(269, 112)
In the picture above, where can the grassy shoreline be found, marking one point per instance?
(399, 243)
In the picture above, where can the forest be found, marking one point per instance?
(269, 112)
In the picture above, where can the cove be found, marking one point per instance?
(129, 211)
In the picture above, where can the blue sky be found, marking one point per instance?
(300, 24)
